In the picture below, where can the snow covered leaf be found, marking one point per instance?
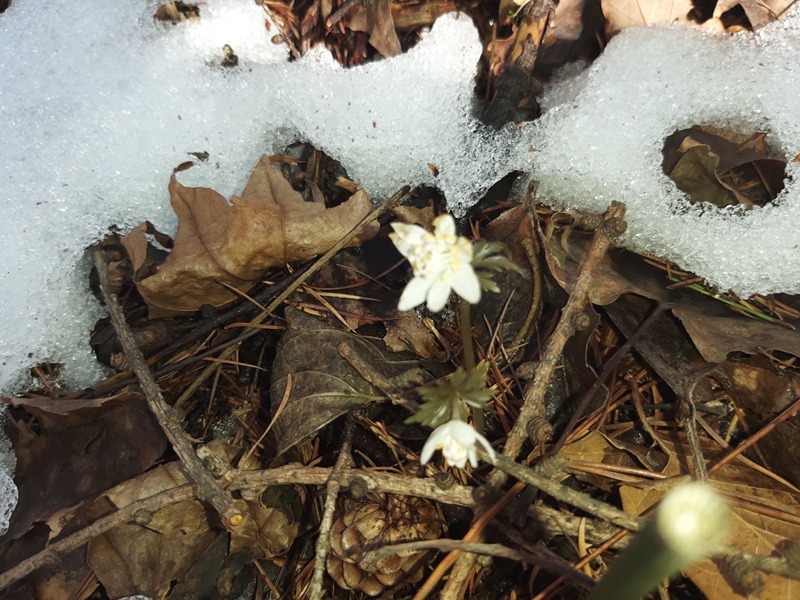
(220, 244)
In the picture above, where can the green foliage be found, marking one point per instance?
(441, 399)
(489, 258)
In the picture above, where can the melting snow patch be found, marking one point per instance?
(604, 142)
(8, 490)
(97, 109)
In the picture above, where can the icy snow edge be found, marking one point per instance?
(605, 143)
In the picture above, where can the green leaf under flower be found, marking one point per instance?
(441, 399)
(489, 257)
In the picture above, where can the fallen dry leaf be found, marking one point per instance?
(723, 167)
(621, 14)
(760, 391)
(222, 244)
(132, 559)
(79, 454)
(751, 530)
(575, 34)
(714, 329)
(758, 12)
(180, 542)
(177, 11)
(324, 385)
(409, 332)
(376, 19)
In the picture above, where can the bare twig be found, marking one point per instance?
(566, 494)
(550, 563)
(347, 6)
(570, 321)
(343, 461)
(610, 365)
(529, 246)
(552, 522)
(686, 412)
(208, 488)
(53, 553)
(282, 31)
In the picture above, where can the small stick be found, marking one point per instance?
(535, 557)
(323, 547)
(570, 321)
(208, 488)
(611, 364)
(553, 521)
(566, 494)
(55, 551)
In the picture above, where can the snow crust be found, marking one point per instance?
(8, 490)
(603, 136)
(98, 103)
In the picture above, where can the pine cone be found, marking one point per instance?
(373, 522)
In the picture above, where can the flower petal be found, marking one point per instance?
(414, 293)
(438, 294)
(473, 456)
(486, 446)
(428, 449)
(465, 283)
(456, 439)
(444, 225)
(407, 236)
(456, 455)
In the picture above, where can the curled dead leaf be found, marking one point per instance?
(221, 245)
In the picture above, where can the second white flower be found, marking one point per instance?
(456, 439)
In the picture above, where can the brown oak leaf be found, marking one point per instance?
(220, 244)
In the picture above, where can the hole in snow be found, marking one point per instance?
(723, 167)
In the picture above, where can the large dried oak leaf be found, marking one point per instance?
(220, 243)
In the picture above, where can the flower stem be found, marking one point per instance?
(465, 325)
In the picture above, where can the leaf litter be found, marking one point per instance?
(307, 398)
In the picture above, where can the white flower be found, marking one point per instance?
(456, 439)
(442, 262)
(693, 521)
